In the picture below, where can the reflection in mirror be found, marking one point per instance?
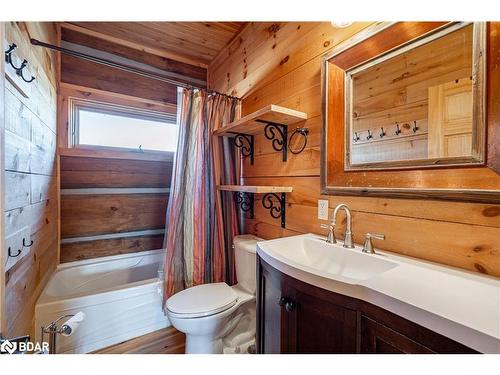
(414, 105)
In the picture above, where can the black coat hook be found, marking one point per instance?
(415, 127)
(18, 69)
(369, 136)
(356, 137)
(398, 130)
(24, 243)
(19, 72)
(12, 47)
(382, 133)
(9, 251)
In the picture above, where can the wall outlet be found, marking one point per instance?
(323, 209)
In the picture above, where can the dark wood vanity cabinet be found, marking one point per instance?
(295, 317)
(376, 338)
(317, 325)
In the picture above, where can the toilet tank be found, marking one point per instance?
(245, 259)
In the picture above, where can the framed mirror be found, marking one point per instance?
(419, 105)
(404, 111)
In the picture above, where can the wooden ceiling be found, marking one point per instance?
(192, 42)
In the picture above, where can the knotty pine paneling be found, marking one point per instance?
(280, 64)
(193, 42)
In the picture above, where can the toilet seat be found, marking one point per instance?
(202, 300)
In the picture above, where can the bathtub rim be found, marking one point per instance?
(109, 294)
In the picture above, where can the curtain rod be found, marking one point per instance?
(125, 68)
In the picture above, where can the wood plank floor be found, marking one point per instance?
(164, 341)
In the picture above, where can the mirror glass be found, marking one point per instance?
(415, 105)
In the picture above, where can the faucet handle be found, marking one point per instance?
(368, 246)
(331, 233)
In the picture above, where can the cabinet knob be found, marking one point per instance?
(289, 306)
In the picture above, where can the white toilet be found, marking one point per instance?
(217, 318)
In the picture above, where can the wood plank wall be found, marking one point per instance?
(31, 175)
(122, 207)
(97, 212)
(279, 63)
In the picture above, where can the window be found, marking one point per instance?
(106, 125)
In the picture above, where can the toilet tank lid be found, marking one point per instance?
(247, 242)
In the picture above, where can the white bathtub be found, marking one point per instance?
(120, 296)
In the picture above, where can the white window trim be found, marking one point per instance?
(76, 104)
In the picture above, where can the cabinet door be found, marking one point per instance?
(316, 325)
(269, 313)
(377, 338)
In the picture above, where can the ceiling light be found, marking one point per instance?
(341, 24)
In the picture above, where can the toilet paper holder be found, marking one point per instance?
(66, 329)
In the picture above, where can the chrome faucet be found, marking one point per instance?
(331, 228)
(348, 234)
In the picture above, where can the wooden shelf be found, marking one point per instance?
(255, 122)
(256, 189)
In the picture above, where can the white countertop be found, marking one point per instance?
(461, 305)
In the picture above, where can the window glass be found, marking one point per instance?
(119, 130)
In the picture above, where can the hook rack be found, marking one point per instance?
(386, 132)
(18, 69)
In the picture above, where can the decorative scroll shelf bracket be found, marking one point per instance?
(245, 201)
(275, 203)
(276, 211)
(245, 143)
(278, 134)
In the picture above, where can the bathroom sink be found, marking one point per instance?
(314, 255)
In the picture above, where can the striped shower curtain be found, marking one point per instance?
(201, 221)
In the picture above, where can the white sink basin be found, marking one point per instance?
(316, 256)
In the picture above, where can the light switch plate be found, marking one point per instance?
(323, 209)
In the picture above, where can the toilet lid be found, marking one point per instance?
(202, 300)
